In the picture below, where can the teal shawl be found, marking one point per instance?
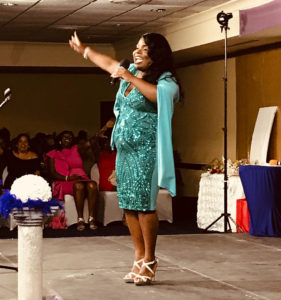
(167, 95)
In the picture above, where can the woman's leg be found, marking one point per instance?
(79, 197)
(136, 234)
(149, 227)
(92, 194)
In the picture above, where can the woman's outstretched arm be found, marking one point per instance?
(103, 61)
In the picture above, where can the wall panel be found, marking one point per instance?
(54, 102)
(258, 85)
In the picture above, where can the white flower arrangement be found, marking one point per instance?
(29, 193)
(217, 166)
(31, 187)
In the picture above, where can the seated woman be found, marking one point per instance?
(87, 153)
(66, 168)
(21, 160)
(106, 162)
(3, 160)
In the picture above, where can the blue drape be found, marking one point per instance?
(262, 187)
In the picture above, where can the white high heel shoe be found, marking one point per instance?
(129, 278)
(144, 279)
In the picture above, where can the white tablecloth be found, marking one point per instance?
(211, 200)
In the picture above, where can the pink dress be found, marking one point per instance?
(67, 162)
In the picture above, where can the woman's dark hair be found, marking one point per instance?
(161, 55)
(82, 135)
(59, 138)
(16, 140)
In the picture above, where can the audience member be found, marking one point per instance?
(42, 143)
(109, 124)
(50, 142)
(38, 144)
(4, 146)
(88, 154)
(5, 135)
(106, 162)
(66, 168)
(3, 159)
(21, 160)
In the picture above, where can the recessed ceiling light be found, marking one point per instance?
(69, 27)
(158, 10)
(8, 4)
(123, 1)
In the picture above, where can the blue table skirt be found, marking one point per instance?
(262, 188)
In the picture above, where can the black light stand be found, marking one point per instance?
(223, 19)
(7, 97)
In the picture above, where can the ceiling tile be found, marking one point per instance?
(100, 20)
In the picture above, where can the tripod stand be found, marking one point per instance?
(223, 19)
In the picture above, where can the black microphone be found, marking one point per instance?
(7, 96)
(125, 63)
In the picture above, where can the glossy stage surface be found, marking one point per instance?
(192, 266)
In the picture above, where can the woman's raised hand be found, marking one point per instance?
(110, 123)
(76, 44)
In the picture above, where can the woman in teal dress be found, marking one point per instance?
(142, 137)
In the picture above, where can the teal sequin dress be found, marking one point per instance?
(135, 140)
(135, 137)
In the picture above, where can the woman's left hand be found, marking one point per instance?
(76, 44)
(123, 73)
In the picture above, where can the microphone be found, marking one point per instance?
(125, 63)
(7, 96)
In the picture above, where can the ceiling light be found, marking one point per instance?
(158, 10)
(8, 4)
(69, 27)
(123, 1)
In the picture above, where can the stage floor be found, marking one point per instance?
(192, 266)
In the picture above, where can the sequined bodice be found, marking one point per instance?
(137, 119)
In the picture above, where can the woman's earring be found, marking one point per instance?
(59, 142)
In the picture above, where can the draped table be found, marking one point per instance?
(262, 186)
(211, 200)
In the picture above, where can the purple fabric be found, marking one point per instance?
(259, 18)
